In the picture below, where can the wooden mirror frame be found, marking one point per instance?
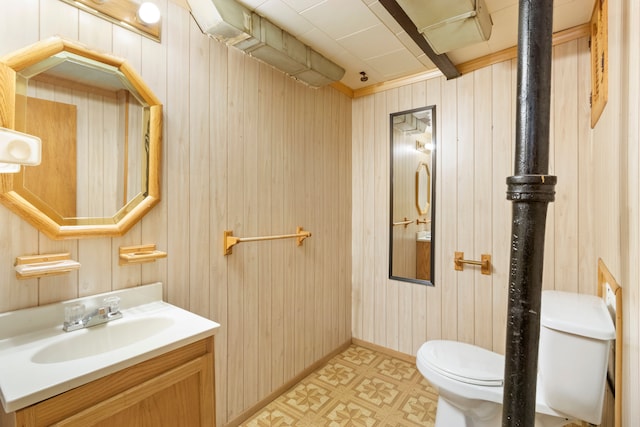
(129, 215)
(423, 188)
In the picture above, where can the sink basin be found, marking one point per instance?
(101, 339)
(39, 360)
(423, 236)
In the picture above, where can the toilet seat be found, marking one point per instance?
(463, 362)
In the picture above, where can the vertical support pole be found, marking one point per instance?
(530, 190)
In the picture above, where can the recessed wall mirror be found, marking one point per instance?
(413, 166)
(100, 127)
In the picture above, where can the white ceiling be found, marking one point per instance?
(360, 35)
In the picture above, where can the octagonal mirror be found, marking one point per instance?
(100, 127)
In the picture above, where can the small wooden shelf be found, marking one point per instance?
(140, 254)
(34, 266)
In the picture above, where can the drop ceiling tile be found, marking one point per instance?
(395, 64)
(251, 4)
(572, 13)
(284, 17)
(352, 75)
(371, 43)
(504, 33)
(324, 45)
(379, 10)
(339, 18)
(302, 5)
(496, 5)
(468, 53)
(426, 61)
(408, 42)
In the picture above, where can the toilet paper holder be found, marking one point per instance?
(484, 263)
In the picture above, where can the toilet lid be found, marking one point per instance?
(464, 362)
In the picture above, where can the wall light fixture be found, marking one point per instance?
(131, 14)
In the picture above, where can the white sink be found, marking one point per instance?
(39, 360)
(101, 339)
(423, 236)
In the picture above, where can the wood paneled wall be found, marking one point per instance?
(476, 127)
(595, 214)
(245, 148)
(616, 188)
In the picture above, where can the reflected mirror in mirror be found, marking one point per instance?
(100, 131)
(412, 237)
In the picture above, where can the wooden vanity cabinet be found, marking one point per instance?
(173, 389)
(423, 260)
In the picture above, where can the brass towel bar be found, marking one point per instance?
(405, 222)
(230, 240)
(484, 263)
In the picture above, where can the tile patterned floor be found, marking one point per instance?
(360, 388)
(357, 388)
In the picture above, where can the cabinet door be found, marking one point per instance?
(181, 396)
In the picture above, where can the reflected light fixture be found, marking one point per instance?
(149, 13)
(424, 143)
(140, 16)
(17, 148)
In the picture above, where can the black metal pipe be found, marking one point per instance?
(530, 190)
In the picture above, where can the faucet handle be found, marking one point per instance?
(73, 317)
(73, 313)
(113, 303)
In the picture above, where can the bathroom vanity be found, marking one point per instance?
(169, 390)
(153, 367)
(423, 255)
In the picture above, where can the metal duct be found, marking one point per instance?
(237, 26)
(449, 24)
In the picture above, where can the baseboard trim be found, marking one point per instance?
(384, 350)
(286, 386)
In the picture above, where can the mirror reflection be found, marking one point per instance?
(413, 165)
(91, 122)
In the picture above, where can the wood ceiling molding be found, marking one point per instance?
(441, 61)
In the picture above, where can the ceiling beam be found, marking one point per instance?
(441, 61)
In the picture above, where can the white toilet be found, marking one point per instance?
(576, 332)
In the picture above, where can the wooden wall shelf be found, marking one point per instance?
(35, 266)
(140, 254)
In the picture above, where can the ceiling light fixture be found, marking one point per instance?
(149, 13)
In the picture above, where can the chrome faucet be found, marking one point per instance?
(75, 317)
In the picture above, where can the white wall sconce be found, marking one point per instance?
(17, 148)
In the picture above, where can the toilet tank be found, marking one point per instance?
(576, 332)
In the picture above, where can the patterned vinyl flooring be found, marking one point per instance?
(360, 388)
(357, 388)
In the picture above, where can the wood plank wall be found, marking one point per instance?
(246, 149)
(616, 188)
(476, 127)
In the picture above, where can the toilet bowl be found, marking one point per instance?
(469, 379)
